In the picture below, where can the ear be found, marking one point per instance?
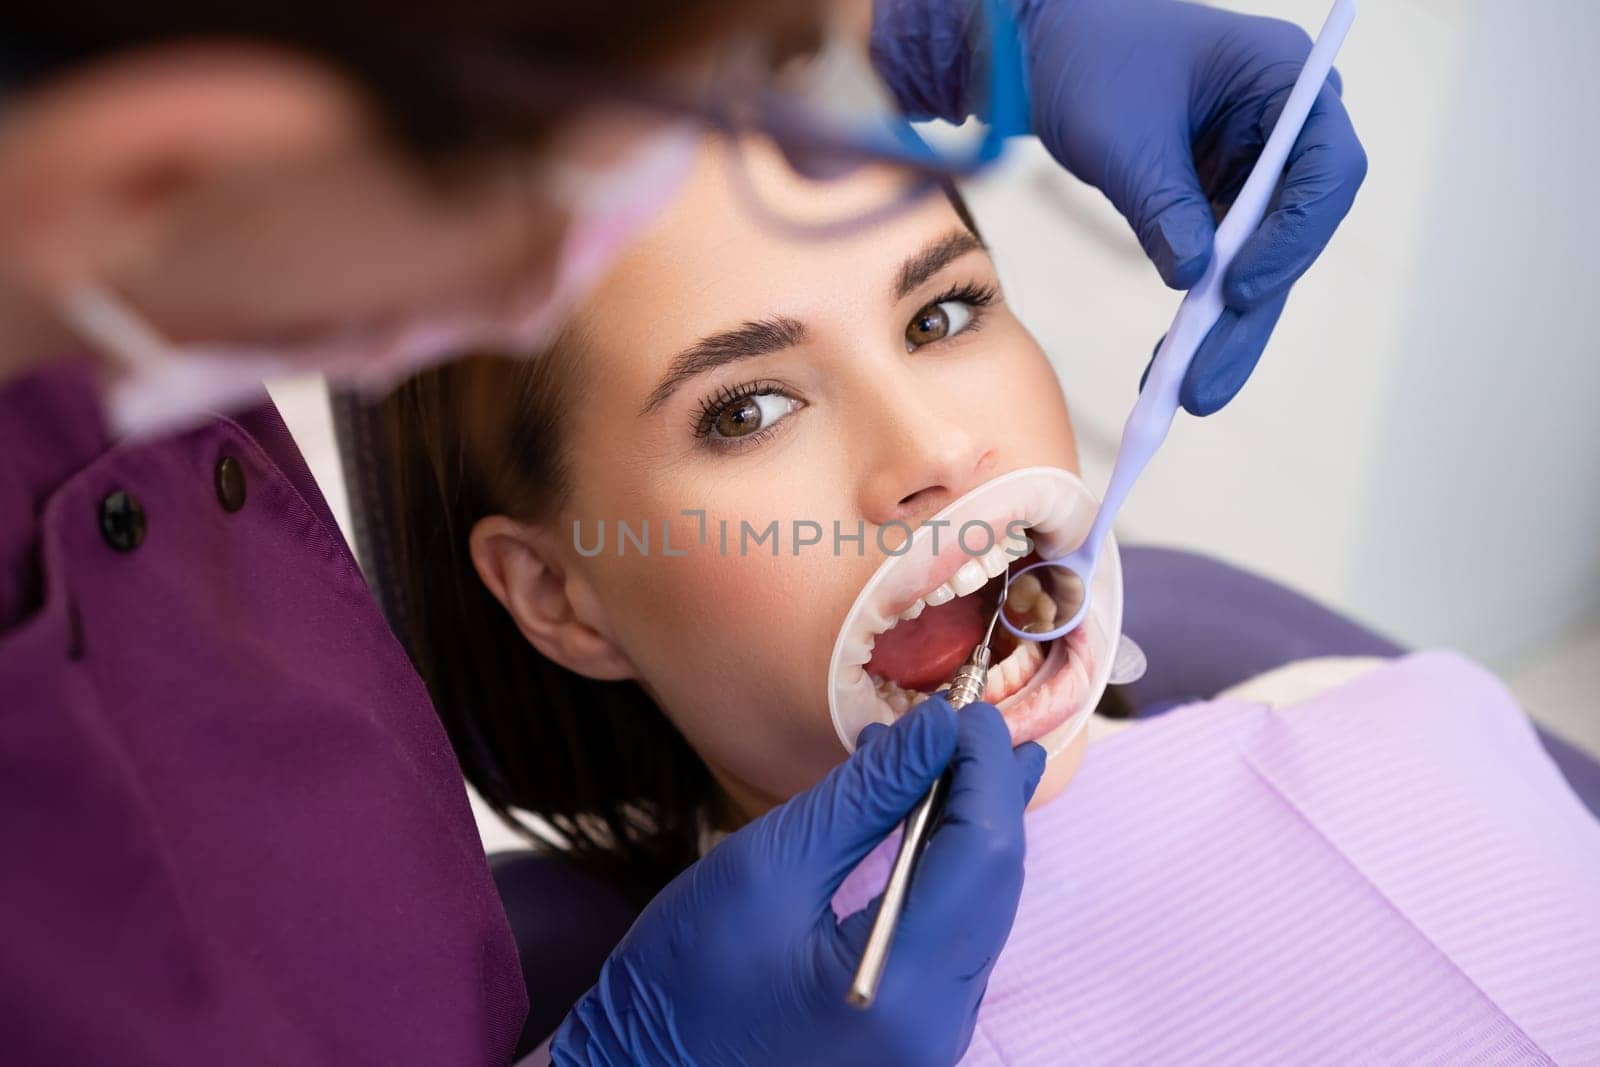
(94, 167)
(556, 610)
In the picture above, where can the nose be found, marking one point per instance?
(923, 455)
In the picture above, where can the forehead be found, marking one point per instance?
(709, 262)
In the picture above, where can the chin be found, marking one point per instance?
(1060, 771)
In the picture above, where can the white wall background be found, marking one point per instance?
(1421, 444)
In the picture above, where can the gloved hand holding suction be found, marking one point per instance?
(1203, 312)
(1163, 106)
(740, 959)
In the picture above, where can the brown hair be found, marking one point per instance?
(595, 760)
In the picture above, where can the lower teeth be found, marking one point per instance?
(893, 695)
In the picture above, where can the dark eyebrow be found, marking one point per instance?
(743, 342)
(933, 258)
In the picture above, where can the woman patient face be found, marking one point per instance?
(732, 377)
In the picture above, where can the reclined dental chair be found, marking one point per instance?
(1204, 625)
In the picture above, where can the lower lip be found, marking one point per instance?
(1054, 693)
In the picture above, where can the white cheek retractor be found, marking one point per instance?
(1057, 509)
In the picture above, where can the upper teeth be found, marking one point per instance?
(972, 576)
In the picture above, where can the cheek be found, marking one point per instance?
(363, 244)
(734, 642)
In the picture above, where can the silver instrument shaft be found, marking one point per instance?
(966, 687)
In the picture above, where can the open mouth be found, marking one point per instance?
(925, 645)
(922, 614)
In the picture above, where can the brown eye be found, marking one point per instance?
(937, 322)
(739, 418)
(930, 324)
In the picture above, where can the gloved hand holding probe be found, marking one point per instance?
(747, 935)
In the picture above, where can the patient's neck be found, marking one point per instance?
(738, 801)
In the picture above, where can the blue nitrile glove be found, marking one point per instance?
(740, 960)
(1163, 106)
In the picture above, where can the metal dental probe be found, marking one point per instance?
(965, 686)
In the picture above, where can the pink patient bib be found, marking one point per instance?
(1392, 872)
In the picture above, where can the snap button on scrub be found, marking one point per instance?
(230, 483)
(122, 521)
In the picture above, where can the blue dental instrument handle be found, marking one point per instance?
(1202, 306)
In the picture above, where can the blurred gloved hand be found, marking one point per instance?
(1163, 106)
(740, 959)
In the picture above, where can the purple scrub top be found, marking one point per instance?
(233, 829)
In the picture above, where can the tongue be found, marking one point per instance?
(923, 653)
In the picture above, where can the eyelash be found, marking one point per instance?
(971, 293)
(975, 295)
(706, 416)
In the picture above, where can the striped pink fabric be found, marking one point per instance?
(1393, 872)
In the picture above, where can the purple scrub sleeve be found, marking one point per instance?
(231, 828)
